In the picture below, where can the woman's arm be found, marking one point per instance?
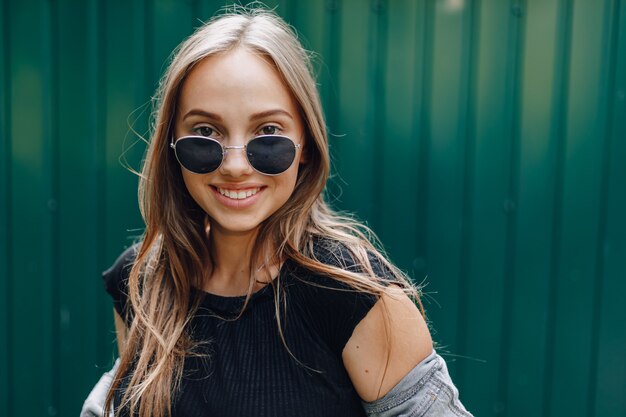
(120, 332)
(393, 366)
(384, 347)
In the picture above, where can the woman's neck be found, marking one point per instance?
(232, 262)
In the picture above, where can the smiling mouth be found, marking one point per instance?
(238, 194)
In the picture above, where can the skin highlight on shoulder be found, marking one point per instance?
(386, 345)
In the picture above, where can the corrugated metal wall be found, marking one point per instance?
(485, 142)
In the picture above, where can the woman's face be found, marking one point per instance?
(233, 97)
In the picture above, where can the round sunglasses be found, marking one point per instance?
(267, 154)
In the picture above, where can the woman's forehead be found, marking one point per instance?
(236, 92)
(238, 77)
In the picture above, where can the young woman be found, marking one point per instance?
(248, 295)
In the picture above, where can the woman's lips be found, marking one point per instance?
(237, 198)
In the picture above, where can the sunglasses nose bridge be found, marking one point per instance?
(231, 163)
(227, 148)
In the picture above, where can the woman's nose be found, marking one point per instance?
(235, 161)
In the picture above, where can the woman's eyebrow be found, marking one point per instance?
(268, 113)
(198, 112)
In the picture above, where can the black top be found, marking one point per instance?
(248, 370)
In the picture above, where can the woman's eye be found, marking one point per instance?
(269, 130)
(204, 131)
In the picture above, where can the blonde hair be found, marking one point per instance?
(173, 257)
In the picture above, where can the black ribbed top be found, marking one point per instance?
(247, 370)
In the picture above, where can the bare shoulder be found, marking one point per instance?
(391, 339)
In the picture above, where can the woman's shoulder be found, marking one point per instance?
(116, 278)
(123, 263)
(342, 255)
(332, 253)
(334, 304)
(337, 275)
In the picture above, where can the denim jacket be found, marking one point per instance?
(94, 404)
(426, 391)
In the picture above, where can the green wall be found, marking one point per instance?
(484, 141)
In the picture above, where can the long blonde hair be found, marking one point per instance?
(172, 258)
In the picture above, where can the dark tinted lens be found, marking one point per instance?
(198, 154)
(271, 154)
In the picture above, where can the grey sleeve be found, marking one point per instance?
(94, 404)
(426, 391)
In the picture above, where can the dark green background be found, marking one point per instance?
(484, 141)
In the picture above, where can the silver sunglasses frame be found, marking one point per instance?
(225, 150)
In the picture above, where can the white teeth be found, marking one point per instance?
(238, 195)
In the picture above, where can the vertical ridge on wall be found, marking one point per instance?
(50, 194)
(445, 172)
(421, 129)
(609, 57)
(163, 38)
(97, 90)
(558, 134)
(289, 10)
(195, 12)
(124, 79)
(581, 200)
(467, 110)
(134, 124)
(82, 197)
(150, 69)
(538, 153)
(514, 65)
(353, 98)
(311, 35)
(330, 91)
(611, 361)
(482, 352)
(137, 121)
(28, 204)
(396, 158)
(6, 253)
(377, 40)
(318, 25)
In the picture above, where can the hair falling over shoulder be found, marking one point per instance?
(174, 255)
